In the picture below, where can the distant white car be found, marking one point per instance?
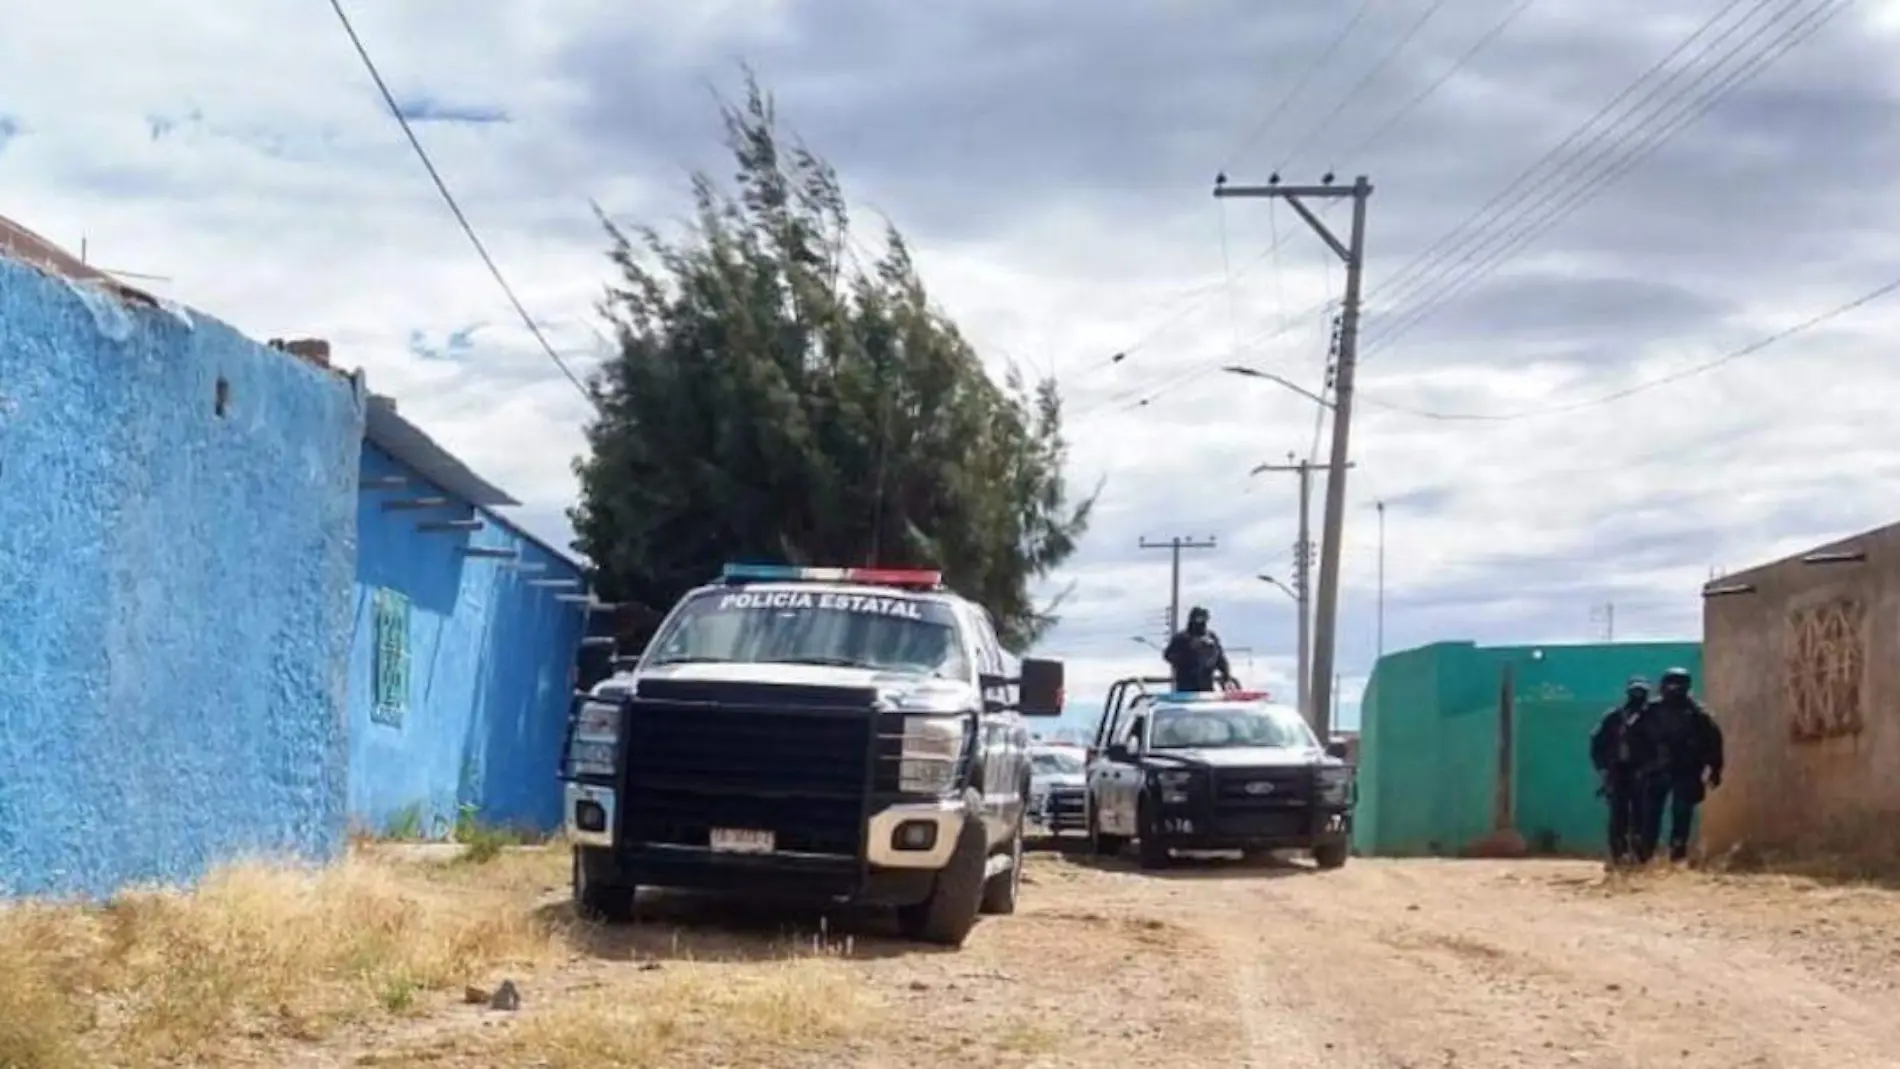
(1058, 788)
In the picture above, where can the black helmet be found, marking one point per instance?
(1637, 685)
(1197, 613)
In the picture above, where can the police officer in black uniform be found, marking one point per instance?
(1619, 748)
(1195, 655)
(1685, 763)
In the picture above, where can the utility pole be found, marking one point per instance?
(1174, 546)
(1303, 576)
(1607, 613)
(1352, 253)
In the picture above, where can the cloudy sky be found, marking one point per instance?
(1052, 164)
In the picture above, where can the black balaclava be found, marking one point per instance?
(1674, 685)
(1636, 692)
(1197, 621)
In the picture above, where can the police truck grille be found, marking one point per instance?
(1260, 788)
(794, 761)
(1067, 805)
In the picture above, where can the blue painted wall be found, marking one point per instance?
(489, 661)
(174, 592)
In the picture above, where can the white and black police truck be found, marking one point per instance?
(1214, 771)
(828, 735)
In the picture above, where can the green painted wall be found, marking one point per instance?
(1429, 736)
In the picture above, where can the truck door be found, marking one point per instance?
(1121, 787)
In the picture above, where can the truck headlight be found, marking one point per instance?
(933, 745)
(596, 736)
(1173, 785)
(1335, 786)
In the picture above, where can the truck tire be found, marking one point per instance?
(596, 901)
(1331, 855)
(1102, 844)
(1150, 848)
(1000, 890)
(946, 917)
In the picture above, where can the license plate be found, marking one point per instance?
(741, 841)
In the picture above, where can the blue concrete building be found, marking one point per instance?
(177, 545)
(464, 642)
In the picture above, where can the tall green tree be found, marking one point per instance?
(777, 399)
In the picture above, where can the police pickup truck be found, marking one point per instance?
(1057, 787)
(1223, 770)
(832, 735)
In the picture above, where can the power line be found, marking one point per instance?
(1140, 397)
(1662, 380)
(1594, 179)
(455, 208)
(1438, 83)
(1307, 76)
(1454, 236)
(1592, 182)
(1320, 127)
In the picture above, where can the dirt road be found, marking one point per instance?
(1388, 964)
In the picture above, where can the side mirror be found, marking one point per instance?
(1338, 748)
(1039, 690)
(1118, 752)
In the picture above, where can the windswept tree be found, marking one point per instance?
(777, 399)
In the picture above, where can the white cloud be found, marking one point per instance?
(282, 197)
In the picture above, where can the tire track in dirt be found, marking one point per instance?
(1464, 964)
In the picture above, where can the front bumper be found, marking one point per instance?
(1184, 828)
(899, 867)
(589, 814)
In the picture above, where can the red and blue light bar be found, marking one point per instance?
(913, 578)
(1184, 696)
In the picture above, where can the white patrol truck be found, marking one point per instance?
(839, 735)
(1207, 771)
(1058, 788)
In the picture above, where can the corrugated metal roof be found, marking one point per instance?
(19, 243)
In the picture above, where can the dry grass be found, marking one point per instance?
(256, 951)
(751, 1014)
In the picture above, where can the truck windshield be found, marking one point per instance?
(1055, 763)
(1180, 729)
(890, 632)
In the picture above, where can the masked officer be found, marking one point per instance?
(1685, 763)
(1196, 656)
(1620, 751)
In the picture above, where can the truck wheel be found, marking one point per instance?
(999, 892)
(1149, 846)
(1102, 844)
(1331, 855)
(597, 901)
(946, 917)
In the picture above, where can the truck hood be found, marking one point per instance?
(907, 691)
(1045, 780)
(1239, 757)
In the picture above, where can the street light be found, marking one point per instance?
(1256, 373)
(1284, 589)
(1148, 642)
(1301, 670)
